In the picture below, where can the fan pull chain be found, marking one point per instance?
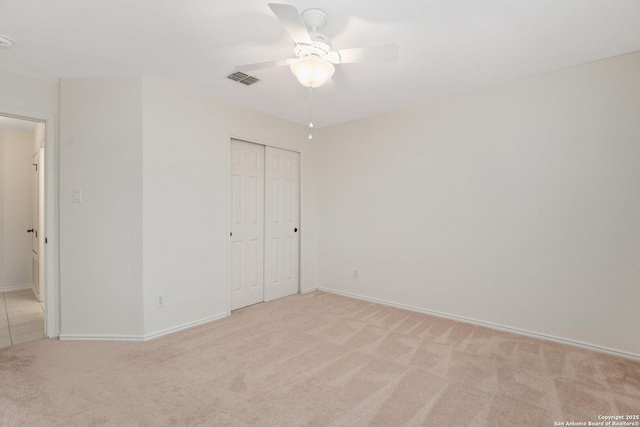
(310, 121)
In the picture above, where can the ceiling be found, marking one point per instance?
(447, 47)
(8, 123)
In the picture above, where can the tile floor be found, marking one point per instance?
(21, 317)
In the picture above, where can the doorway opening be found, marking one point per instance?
(22, 231)
(264, 223)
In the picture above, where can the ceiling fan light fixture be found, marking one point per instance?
(312, 71)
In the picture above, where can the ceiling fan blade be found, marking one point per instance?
(379, 53)
(292, 21)
(261, 65)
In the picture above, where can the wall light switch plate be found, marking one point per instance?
(76, 196)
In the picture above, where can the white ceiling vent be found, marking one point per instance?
(243, 78)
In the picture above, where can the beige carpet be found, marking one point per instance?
(315, 359)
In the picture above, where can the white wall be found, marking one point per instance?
(186, 151)
(15, 206)
(29, 94)
(517, 205)
(152, 162)
(101, 238)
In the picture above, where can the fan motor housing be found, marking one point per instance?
(314, 19)
(320, 46)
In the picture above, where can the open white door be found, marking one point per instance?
(282, 215)
(35, 225)
(41, 228)
(247, 224)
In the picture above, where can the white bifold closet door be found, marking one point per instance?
(265, 215)
(247, 224)
(282, 217)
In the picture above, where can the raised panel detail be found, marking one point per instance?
(236, 199)
(276, 200)
(236, 266)
(247, 182)
(282, 223)
(289, 258)
(289, 202)
(254, 201)
(254, 268)
(275, 265)
(253, 160)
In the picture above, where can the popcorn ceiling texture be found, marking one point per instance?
(316, 359)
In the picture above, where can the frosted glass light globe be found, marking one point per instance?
(312, 71)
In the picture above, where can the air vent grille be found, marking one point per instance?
(243, 78)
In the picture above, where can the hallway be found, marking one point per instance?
(21, 317)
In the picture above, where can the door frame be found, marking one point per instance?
(228, 209)
(49, 257)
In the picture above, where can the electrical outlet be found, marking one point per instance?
(355, 273)
(159, 300)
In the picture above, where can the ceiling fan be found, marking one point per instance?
(314, 62)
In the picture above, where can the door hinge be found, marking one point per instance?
(45, 241)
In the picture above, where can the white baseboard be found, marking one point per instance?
(139, 338)
(306, 291)
(80, 337)
(184, 326)
(490, 325)
(15, 288)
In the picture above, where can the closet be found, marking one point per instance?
(265, 216)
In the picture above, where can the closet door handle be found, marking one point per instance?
(30, 230)
(295, 230)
